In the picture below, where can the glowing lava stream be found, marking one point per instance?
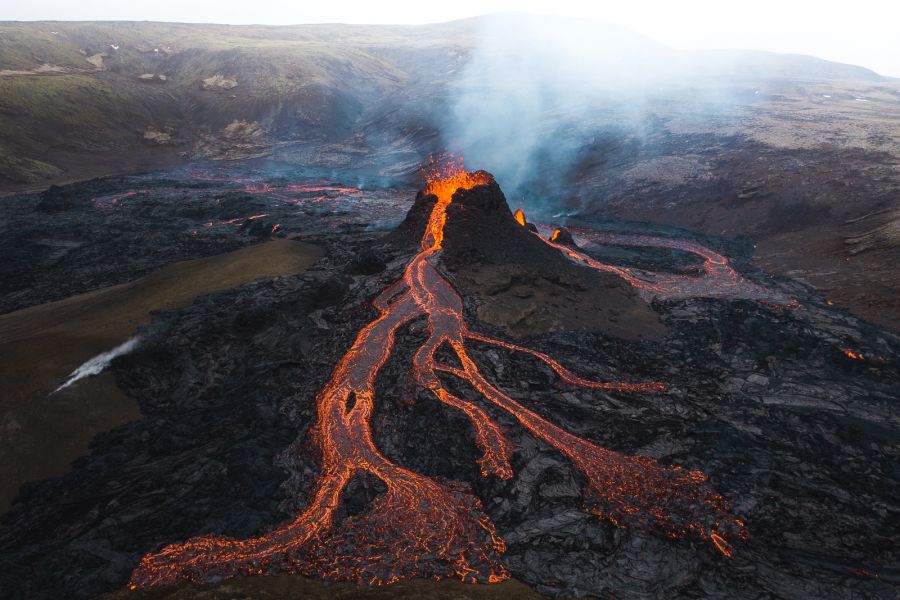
(718, 280)
(420, 527)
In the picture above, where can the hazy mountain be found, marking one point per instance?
(89, 98)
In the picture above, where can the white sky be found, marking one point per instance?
(862, 32)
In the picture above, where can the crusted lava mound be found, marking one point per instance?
(798, 434)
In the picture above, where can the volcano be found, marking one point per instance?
(588, 411)
(419, 527)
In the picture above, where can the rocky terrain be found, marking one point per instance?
(790, 412)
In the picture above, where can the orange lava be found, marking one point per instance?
(235, 221)
(869, 358)
(442, 179)
(519, 216)
(721, 544)
(421, 527)
(717, 280)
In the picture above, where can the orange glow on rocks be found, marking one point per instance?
(442, 178)
(420, 527)
(520, 217)
(236, 221)
(721, 544)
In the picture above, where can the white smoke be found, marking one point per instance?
(527, 75)
(98, 363)
(536, 90)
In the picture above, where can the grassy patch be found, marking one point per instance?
(19, 168)
(24, 46)
(41, 345)
(78, 103)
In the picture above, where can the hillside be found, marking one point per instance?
(131, 95)
(83, 99)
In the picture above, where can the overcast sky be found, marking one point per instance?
(862, 32)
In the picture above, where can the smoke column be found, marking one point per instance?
(536, 91)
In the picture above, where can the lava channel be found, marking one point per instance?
(718, 279)
(421, 527)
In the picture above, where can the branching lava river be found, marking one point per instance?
(421, 527)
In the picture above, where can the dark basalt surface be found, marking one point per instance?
(801, 437)
(83, 236)
(479, 229)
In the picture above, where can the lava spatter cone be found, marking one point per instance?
(420, 527)
(563, 237)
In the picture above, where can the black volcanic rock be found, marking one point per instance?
(367, 262)
(408, 234)
(257, 228)
(55, 199)
(480, 228)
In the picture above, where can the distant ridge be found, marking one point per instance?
(81, 99)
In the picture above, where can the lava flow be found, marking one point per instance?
(421, 527)
(718, 280)
(238, 221)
